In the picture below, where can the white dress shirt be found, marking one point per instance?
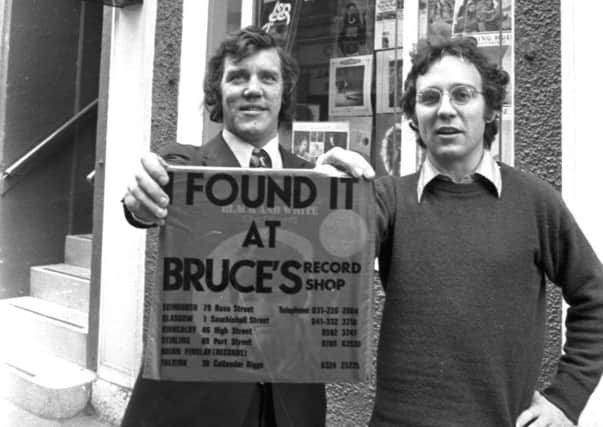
(487, 168)
(242, 150)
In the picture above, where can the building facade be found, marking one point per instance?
(150, 77)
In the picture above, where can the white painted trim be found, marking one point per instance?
(581, 148)
(128, 136)
(193, 56)
(510, 157)
(5, 26)
(568, 105)
(568, 131)
(410, 35)
(247, 12)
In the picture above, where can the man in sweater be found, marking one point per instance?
(249, 87)
(464, 247)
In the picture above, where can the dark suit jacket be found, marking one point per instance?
(194, 404)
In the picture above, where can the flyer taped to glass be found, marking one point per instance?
(263, 276)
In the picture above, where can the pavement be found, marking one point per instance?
(13, 416)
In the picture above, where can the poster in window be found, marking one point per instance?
(311, 139)
(480, 16)
(350, 86)
(388, 23)
(502, 146)
(386, 149)
(354, 27)
(440, 15)
(361, 129)
(280, 18)
(390, 80)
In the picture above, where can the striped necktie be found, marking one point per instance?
(259, 159)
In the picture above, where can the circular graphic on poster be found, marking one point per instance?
(343, 233)
(390, 150)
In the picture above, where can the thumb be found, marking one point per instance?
(530, 414)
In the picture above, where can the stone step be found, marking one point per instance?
(53, 329)
(14, 416)
(64, 284)
(44, 385)
(78, 250)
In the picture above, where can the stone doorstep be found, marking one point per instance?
(12, 415)
(44, 385)
(109, 400)
(78, 250)
(26, 322)
(64, 284)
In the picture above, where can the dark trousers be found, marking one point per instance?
(195, 404)
(171, 404)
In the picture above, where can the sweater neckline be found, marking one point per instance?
(479, 186)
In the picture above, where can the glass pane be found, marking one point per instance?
(351, 58)
(351, 75)
(233, 17)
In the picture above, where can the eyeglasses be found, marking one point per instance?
(459, 95)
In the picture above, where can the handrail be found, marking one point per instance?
(16, 165)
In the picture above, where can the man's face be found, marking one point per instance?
(252, 91)
(453, 134)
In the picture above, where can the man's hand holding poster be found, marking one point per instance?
(263, 276)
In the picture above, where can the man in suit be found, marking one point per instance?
(249, 87)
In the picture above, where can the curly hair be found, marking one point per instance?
(494, 78)
(238, 46)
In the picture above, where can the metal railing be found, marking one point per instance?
(27, 157)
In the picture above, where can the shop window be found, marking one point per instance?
(353, 61)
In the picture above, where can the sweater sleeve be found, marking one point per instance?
(571, 263)
(385, 194)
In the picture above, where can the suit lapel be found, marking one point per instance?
(218, 153)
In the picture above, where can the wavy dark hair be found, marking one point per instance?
(494, 79)
(240, 45)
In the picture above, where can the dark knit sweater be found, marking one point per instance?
(463, 324)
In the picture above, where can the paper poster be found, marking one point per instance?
(350, 86)
(263, 276)
(389, 18)
(390, 80)
(502, 147)
(386, 150)
(440, 15)
(353, 26)
(481, 16)
(361, 129)
(280, 18)
(311, 139)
